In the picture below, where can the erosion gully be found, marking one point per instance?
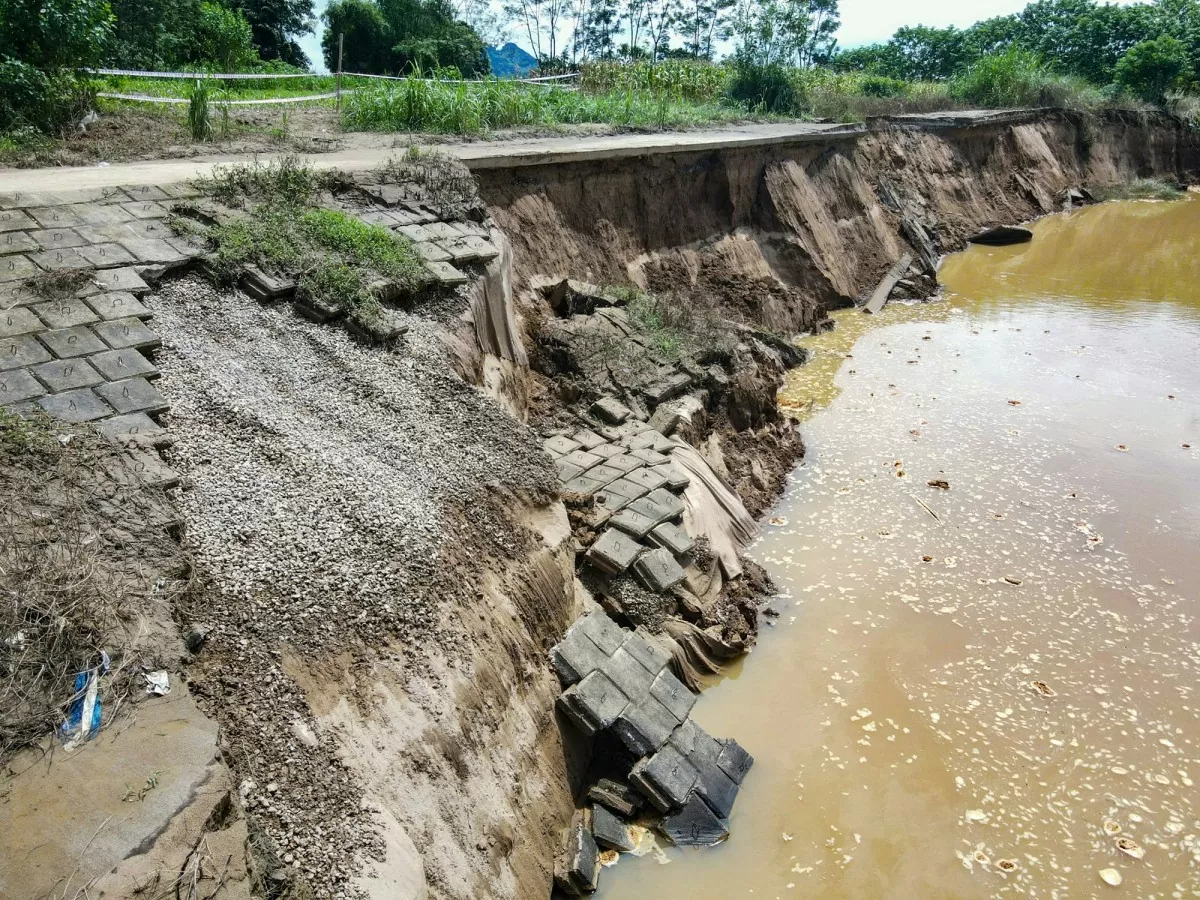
(986, 690)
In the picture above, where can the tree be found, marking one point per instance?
(485, 21)
(541, 21)
(1152, 69)
(276, 24)
(595, 33)
(399, 36)
(704, 22)
(786, 32)
(365, 37)
(224, 38)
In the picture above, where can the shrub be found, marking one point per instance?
(224, 38)
(199, 118)
(999, 80)
(1152, 69)
(765, 88)
(882, 86)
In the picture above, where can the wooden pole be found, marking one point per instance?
(341, 44)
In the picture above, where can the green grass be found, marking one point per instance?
(285, 180)
(1141, 189)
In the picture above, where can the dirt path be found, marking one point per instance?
(477, 155)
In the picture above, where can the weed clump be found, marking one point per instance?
(1141, 189)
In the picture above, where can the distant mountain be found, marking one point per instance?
(510, 61)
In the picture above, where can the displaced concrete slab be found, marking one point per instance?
(17, 242)
(716, 788)
(56, 238)
(614, 552)
(123, 279)
(677, 480)
(129, 425)
(879, 297)
(673, 694)
(15, 220)
(577, 869)
(657, 569)
(59, 260)
(734, 761)
(602, 631)
(695, 826)
(611, 410)
(633, 522)
(671, 537)
(445, 274)
(566, 471)
(644, 726)
(75, 406)
(610, 831)
(668, 501)
(575, 657)
(594, 703)
(626, 489)
(116, 365)
(583, 459)
(17, 268)
(665, 778)
(133, 395)
(620, 798)
(589, 440)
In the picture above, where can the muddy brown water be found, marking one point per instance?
(982, 703)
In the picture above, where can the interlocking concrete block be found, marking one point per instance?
(15, 220)
(620, 798)
(677, 480)
(75, 406)
(625, 489)
(129, 425)
(124, 279)
(673, 694)
(716, 788)
(20, 320)
(613, 552)
(611, 410)
(144, 192)
(656, 569)
(566, 471)
(648, 479)
(17, 385)
(632, 522)
(644, 726)
(589, 439)
(431, 252)
(55, 216)
(559, 445)
(17, 268)
(666, 778)
(671, 537)
(668, 501)
(21, 350)
(56, 238)
(116, 365)
(734, 761)
(649, 653)
(608, 451)
(17, 242)
(625, 462)
(629, 675)
(67, 374)
(583, 459)
(65, 313)
(133, 395)
(594, 703)
(67, 343)
(104, 256)
(445, 274)
(601, 631)
(128, 332)
(695, 825)
(149, 209)
(118, 305)
(610, 831)
(577, 868)
(59, 260)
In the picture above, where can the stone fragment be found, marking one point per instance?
(19, 321)
(129, 332)
(671, 537)
(129, 425)
(734, 761)
(673, 694)
(64, 375)
(695, 825)
(644, 726)
(593, 704)
(649, 653)
(17, 385)
(620, 798)
(133, 395)
(103, 256)
(116, 365)
(657, 569)
(610, 410)
(445, 274)
(665, 778)
(75, 406)
(118, 305)
(610, 831)
(66, 343)
(613, 552)
(577, 869)
(21, 350)
(65, 313)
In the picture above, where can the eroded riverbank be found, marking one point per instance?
(982, 703)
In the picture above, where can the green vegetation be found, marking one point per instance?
(198, 118)
(400, 36)
(672, 328)
(1142, 189)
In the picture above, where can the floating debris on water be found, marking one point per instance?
(1111, 876)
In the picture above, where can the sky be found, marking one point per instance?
(863, 21)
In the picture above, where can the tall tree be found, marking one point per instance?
(786, 32)
(541, 21)
(702, 23)
(400, 36)
(276, 24)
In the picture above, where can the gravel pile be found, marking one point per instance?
(336, 496)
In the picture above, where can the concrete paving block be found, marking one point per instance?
(64, 375)
(102, 214)
(648, 479)
(104, 256)
(662, 444)
(59, 260)
(116, 365)
(695, 825)
(611, 410)
(609, 503)
(133, 395)
(21, 350)
(65, 313)
(695, 743)
(577, 868)
(446, 275)
(583, 484)
(15, 220)
(650, 654)
(575, 657)
(677, 480)
(594, 703)
(469, 249)
(20, 320)
(17, 268)
(559, 445)
(583, 459)
(673, 694)
(431, 252)
(610, 831)
(415, 233)
(668, 388)
(149, 251)
(657, 569)
(716, 788)
(601, 631)
(651, 509)
(124, 279)
(629, 675)
(604, 474)
(148, 209)
(56, 238)
(380, 217)
(613, 552)
(644, 726)
(668, 501)
(129, 425)
(620, 798)
(148, 230)
(633, 522)
(18, 242)
(668, 776)
(566, 471)
(67, 343)
(626, 489)
(734, 761)
(639, 440)
(603, 449)
(75, 406)
(625, 462)
(181, 191)
(440, 230)
(55, 216)
(17, 385)
(649, 457)
(672, 537)
(589, 439)
(145, 192)
(118, 305)
(128, 332)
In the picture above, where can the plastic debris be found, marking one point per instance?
(84, 713)
(1111, 877)
(158, 683)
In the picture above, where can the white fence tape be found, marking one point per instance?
(236, 76)
(141, 98)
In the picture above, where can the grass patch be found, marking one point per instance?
(287, 180)
(675, 328)
(1141, 189)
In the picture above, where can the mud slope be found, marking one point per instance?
(779, 233)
